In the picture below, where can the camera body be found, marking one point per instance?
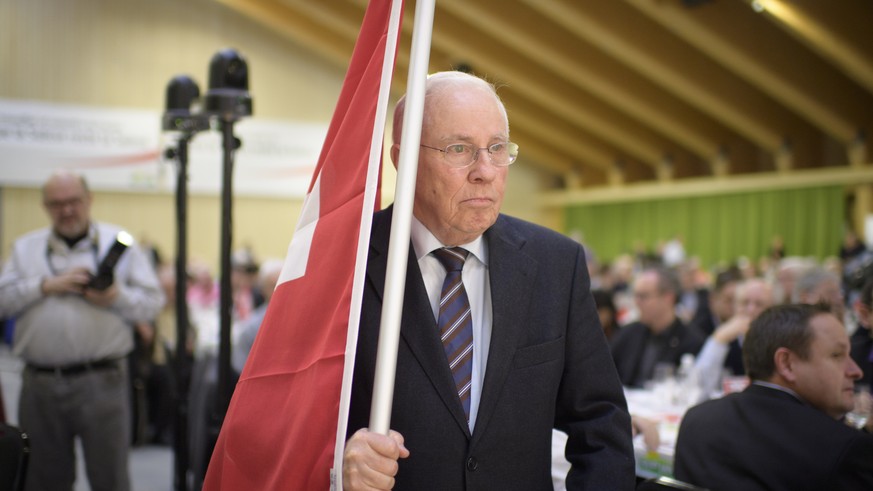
(105, 275)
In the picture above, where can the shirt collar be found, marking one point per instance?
(771, 385)
(57, 244)
(424, 242)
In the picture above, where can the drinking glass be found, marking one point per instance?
(860, 414)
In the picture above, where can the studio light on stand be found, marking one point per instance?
(180, 124)
(226, 102)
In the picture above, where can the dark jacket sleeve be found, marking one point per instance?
(591, 405)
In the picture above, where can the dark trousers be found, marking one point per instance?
(94, 406)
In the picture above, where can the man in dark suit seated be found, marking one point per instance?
(784, 431)
(659, 337)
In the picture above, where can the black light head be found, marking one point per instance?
(182, 92)
(228, 96)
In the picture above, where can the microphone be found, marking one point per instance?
(105, 275)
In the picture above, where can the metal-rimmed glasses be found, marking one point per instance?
(461, 155)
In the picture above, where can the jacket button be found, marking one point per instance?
(472, 464)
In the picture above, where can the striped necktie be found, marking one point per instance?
(455, 323)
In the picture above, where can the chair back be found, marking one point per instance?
(14, 453)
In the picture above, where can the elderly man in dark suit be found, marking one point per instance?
(538, 357)
(784, 431)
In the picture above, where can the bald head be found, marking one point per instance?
(64, 177)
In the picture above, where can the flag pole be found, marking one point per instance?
(398, 248)
(370, 191)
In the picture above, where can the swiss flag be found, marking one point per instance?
(280, 429)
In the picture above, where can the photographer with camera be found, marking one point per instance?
(76, 289)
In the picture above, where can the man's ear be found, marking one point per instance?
(395, 154)
(783, 361)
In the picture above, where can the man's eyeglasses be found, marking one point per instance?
(460, 155)
(61, 204)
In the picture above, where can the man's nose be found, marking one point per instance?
(853, 370)
(483, 165)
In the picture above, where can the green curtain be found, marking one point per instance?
(718, 228)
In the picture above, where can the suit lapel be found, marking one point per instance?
(511, 273)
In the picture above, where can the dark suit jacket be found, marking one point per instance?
(766, 439)
(629, 346)
(734, 360)
(703, 319)
(548, 366)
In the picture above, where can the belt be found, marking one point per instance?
(75, 369)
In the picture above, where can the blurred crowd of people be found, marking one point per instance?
(657, 307)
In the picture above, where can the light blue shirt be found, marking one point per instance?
(476, 282)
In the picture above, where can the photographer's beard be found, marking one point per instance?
(72, 230)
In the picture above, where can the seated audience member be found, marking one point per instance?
(268, 276)
(786, 273)
(862, 338)
(692, 297)
(717, 306)
(817, 285)
(659, 336)
(723, 349)
(784, 431)
(243, 276)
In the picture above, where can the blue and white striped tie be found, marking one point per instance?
(455, 323)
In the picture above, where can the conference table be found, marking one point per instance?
(664, 405)
(664, 402)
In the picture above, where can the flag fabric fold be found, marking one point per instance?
(280, 429)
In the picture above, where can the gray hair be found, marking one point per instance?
(809, 281)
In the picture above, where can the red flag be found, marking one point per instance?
(280, 429)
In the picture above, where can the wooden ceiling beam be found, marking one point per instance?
(624, 34)
(583, 147)
(591, 71)
(546, 158)
(458, 39)
(834, 30)
(801, 82)
(298, 28)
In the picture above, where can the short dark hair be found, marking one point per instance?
(810, 280)
(781, 326)
(668, 281)
(726, 277)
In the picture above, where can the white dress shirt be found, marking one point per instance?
(476, 283)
